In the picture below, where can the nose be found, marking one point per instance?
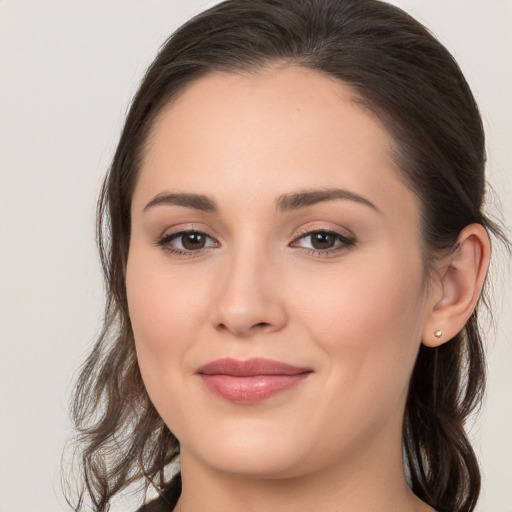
(250, 299)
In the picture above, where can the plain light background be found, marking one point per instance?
(68, 71)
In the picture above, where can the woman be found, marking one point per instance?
(294, 247)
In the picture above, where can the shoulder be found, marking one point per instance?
(167, 500)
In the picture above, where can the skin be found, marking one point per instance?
(355, 315)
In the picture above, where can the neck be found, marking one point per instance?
(372, 482)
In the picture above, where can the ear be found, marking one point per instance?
(459, 280)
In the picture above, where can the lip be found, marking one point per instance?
(251, 380)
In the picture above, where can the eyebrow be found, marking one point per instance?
(285, 203)
(196, 201)
(304, 198)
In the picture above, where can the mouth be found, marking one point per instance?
(252, 380)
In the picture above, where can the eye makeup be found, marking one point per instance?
(319, 242)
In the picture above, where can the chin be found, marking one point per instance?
(253, 453)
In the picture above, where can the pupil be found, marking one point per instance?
(193, 241)
(322, 241)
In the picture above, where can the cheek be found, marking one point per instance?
(368, 323)
(164, 311)
(376, 293)
(368, 328)
(163, 306)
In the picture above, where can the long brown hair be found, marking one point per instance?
(403, 75)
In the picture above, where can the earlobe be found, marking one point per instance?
(460, 282)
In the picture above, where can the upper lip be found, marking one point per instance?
(250, 367)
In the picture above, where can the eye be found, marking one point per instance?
(185, 242)
(323, 241)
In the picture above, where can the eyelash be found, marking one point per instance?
(166, 240)
(343, 242)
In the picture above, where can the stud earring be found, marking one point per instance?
(438, 334)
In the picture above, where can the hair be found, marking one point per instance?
(406, 78)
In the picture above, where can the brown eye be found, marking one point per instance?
(193, 241)
(186, 242)
(322, 240)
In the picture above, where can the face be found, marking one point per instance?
(275, 279)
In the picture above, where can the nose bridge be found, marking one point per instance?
(249, 300)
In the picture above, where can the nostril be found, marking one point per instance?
(241, 331)
(245, 319)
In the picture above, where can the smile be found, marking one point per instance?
(250, 381)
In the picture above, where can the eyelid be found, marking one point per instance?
(311, 228)
(187, 227)
(347, 240)
(164, 241)
(343, 243)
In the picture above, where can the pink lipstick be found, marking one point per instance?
(251, 380)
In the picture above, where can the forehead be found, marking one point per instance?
(266, 132)
(296, 98)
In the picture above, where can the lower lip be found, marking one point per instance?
(253, 389)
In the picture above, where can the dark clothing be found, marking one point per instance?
(167, 501)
